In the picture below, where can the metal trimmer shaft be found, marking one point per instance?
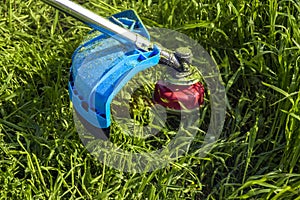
(105, 26)
(99, 23)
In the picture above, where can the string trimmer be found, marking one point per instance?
(114, 53)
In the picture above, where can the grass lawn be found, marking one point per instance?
(256, 46)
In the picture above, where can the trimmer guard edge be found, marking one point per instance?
(101, 66)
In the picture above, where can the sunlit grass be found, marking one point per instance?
(256, 45)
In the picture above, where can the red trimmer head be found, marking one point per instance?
(181, 90)
(179, 97)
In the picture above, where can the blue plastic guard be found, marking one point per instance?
(101, 66)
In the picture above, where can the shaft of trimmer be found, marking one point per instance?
(101, 24)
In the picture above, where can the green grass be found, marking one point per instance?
(256, 45)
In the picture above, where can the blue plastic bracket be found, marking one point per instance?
(101, 66)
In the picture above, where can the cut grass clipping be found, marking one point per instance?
(256, 45)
